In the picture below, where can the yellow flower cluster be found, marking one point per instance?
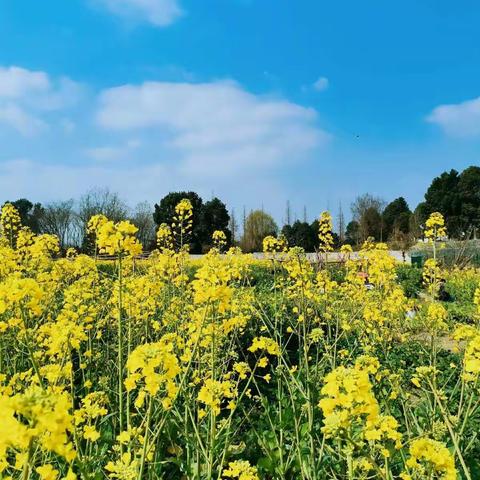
(156, 365)
(213, 392)
(348, 400)
(272, 244)
(10, 223)
(183, 222)
(242, 470)
(435, 227)
(436, 317)
(430, 459)
(219, 239)
(177, 367)
(115, 238)
(93, 407)
(265, 343)
(325, 232)
(36, 418)
(472, 359)
(351, 410)
(21, 298)
(164, 237)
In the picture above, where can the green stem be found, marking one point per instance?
(120, 346)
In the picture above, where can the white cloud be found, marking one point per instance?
(17, 118)
(26, 95)
(458, 120)
(16, 82)
(321, 84)
(111, 152)
(214, 128)
(155, 137)
(157, 12)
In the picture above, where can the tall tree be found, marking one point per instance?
(396, 217)
(442, 196)
(371, 224)
(233, 226)
(165, 212)
(58, 218)
(352, 233)
(288, 214)
(214, 216)
(301, 234)
(417, 220)
(469, 193)
(258, 225)
(244, 219)
(104, 202)
(142, 218)
(29, 212)
(366, 211)
(98, 202)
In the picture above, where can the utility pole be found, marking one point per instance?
(341, 223)
(288, 215)
(244, 218)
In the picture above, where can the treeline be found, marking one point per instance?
(68, 219)
(455, 195)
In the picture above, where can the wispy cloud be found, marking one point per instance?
(214, 128)
(153, 138)
(106, 153)
(17, 118)
(27, 95)
(160, 13)
(321, 84)
(458, 120)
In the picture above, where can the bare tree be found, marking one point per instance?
(58, 218)
(233, 226)
(101, 201)
(143, 219)
(367, 212)
(244, 219)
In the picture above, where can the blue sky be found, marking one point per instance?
(256, 101)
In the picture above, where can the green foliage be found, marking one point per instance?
(460, 312)
(410, 278)
(207, 217)
(29, 213)
(258, 225)
(457, 197)
(302, 234)
(337, 272)
(461, 286)
(165, 212)
(352, 233)
(261, 277)
(214, 216)
(396, 216)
